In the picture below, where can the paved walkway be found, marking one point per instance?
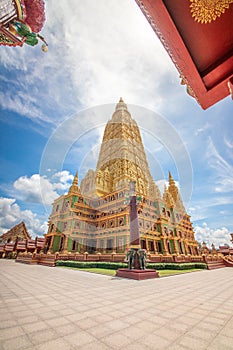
(44, 308)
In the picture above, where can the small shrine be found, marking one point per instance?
(21, 22)
(17, 233)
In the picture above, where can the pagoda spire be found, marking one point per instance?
(171, 180)
(122, 154)
(174, 192)
(172, 188)
(74, 187)
(121, 105)
(167, 197)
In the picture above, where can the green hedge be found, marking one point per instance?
(176, 266)
(91, 264)
(115, 266)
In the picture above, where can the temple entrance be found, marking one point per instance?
(61, 246)
(151, 246)
(169, 247)
(159, 247)
(91, 245)
(75, 245)
(101, 245)
(109, 245)
(143, 244)
(181, 248)
(47, 244)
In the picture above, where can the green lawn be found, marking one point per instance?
(162, 273)
(165, 273)
(100, 271)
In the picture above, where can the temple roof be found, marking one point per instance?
(18, 231)
(198, 36)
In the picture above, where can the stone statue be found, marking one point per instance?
(130, 258)
(142, 258)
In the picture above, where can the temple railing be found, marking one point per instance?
(50, 259)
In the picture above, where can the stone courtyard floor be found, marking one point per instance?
(46, 308)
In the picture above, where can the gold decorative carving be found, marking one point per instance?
(206, 11)
(189, 90)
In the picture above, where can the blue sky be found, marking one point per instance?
(53, 108)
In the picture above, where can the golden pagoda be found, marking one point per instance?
(94, 217)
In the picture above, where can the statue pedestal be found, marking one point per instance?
(136, 274)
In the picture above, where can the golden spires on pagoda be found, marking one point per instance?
(171, 180)
(167, 197)
(121, 105)
(123, 154)
(74, 187)
(172, 188)
(175, 195)
(121, 114)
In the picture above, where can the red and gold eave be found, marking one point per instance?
(202, 52)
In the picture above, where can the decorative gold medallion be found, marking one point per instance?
(206, 11)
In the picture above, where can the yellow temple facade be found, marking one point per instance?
(94, 217)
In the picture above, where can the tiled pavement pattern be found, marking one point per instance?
(46, 308)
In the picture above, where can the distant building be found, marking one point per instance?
(225, 249)
(17, 233)
(95, 216)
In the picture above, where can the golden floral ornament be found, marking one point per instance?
(206, 11)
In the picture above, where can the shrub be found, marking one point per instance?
(91, 264)
(117, 265)
(176, 266)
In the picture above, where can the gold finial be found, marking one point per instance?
(74, 187)
(121, 105)
(171, 180)
(75, 180)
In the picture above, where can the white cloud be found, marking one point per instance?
(112, 56)
(26, 106)
(40, 189)
(11, 215)
(64, 179)
(228, 143)
(202, 129)
(206, 234)
(29, 189)
(223, 170)
(63, 176)
(102, 58)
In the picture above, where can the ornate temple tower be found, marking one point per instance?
(122, 159)
(96, 218)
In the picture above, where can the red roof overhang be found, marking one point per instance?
(202, 53)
